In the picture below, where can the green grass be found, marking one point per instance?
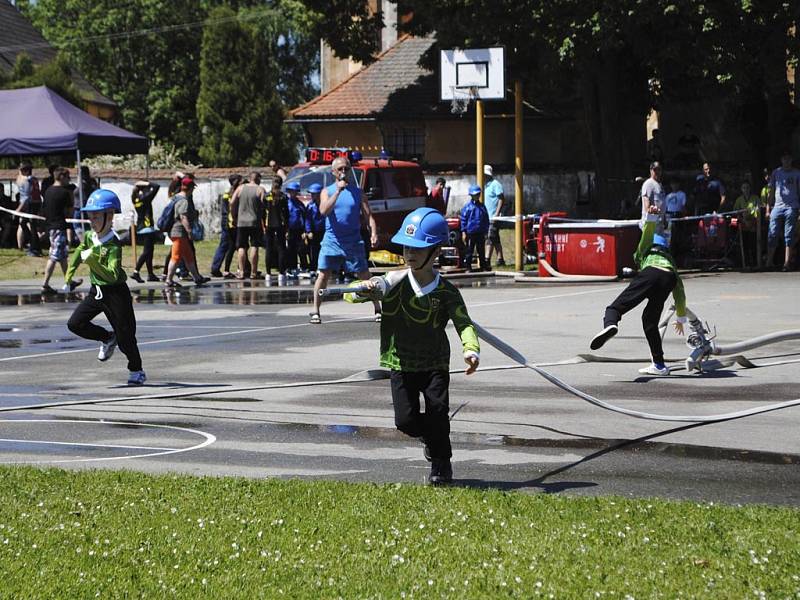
(15, 264)
(119, 534)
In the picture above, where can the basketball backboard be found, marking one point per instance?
(472, 74)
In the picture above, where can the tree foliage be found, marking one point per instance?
(240, 105)
(619, 59)
(56, 75)
(145, 55)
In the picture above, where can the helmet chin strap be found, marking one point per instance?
(430, 255)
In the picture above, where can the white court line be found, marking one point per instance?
(276, 327)
(85, 444)
(182, 339)
(208, 439)
(519, 300)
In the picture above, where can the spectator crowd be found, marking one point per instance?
(272, 228)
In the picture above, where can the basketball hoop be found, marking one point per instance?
(461, 99)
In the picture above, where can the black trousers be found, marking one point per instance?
(296, 250)
(275, 241)
(115, 303)
(655, 286)
(148, 241)
(433, 426)
(475, 241)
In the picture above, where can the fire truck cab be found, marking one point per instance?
(393, 188)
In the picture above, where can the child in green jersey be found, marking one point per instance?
(109, 294)
(656, 279)
(417, 304)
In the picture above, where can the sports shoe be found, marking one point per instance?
(107, 349)
(378, 316)
(153, 278)
(500, 262)
(314, 318)
(601, 338)
(46, 289)
(172, 284)
(137, 378)
(655, 369)
(201, 281)
(441, 472)
(281, 279)
(136, 277)
(70, 286)
(426, 452)
(216, 273)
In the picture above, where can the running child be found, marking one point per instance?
(656, 279)
(474, 227)
(109, 294)
(417, 303)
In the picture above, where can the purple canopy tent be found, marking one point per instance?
(39, 121)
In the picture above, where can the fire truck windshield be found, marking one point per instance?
(320, 174)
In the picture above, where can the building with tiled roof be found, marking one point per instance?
(18, 35)
(394, 103)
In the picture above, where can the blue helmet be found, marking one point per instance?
(474, 189)
(314, 188)
(101, 200)
(422, 228)
(293, 185)
(660, 240)
(355, 156)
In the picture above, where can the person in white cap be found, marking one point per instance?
(493, 199)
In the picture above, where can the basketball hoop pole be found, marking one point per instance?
(518, 165)
(479, 143)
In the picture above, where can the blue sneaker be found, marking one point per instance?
(137, 378)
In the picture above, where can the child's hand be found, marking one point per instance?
(678, 328)
(472, 364)
(653, 209)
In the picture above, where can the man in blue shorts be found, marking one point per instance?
(341, 204)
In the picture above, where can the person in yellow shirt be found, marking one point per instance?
(750, 203)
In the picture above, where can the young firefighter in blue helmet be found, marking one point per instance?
(417, 303)
(101, 251)
(315, 225)
(474, 227)
(295, 229)
(656, 279)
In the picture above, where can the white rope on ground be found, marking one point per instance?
(31, 217)
(517, 357)
(495, 342)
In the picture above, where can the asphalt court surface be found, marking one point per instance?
(240, 384)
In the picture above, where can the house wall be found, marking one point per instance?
(452, 142)
(363, 135)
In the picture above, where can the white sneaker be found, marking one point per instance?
(137, 378)
(654, 369)
(281, 279)
(601, 338)
(107, 349)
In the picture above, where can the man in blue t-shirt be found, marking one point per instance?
(784, 207)
(342, 204)
(493, 199)
(709, 192)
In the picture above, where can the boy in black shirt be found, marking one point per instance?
(57, 206)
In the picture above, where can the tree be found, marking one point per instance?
(238, 107)
(144, 55)
(56, 75)
(612, 57)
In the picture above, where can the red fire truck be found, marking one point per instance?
(393, 188)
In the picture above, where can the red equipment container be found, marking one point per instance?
(587, 248)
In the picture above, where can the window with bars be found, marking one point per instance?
(405, 142)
